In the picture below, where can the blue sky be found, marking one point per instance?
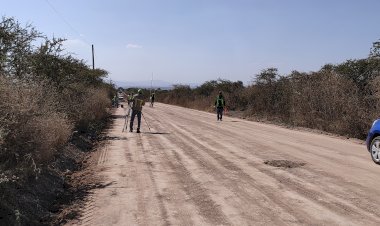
(192, 41)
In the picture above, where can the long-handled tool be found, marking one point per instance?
(126, 119)
(145, 121)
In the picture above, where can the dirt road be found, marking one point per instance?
(192, 170)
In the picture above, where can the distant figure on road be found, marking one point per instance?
(137, 103)
(219, 105)
(130, 97)
(152, 99)
(115, 101)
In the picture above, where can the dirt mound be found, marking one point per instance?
(36, 199)
(284, 163)
(43, 199)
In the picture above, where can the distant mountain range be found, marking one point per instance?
(147, 84)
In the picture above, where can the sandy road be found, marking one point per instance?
(193, 170)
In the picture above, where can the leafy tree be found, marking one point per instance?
(375, 50)
(267, 76)
(207, 88)
(16, 47)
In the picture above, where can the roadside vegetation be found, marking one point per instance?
(342, 99)
(50, 102)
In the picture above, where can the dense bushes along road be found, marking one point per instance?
(44, 96)
(342, 99)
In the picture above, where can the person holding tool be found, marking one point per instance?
(128, 113)
(137, 104)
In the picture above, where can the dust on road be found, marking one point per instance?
(192, 170)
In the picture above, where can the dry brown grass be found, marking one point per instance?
(95, 104)
(44, 95)
(323, 100)
(84, 105)
(31, 128)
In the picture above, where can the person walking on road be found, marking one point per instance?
(137, 103)
(219, 105)
(115, 101)
(152, 99)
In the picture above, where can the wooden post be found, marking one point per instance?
(93, 59)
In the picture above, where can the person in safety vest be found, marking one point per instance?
(152, 99)
(137, 103)
(130, 97)
(115, 101)
(219, 105)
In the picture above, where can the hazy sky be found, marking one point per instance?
(191, 41)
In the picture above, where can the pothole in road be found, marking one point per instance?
(284, 163)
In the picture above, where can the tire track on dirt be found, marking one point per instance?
(176, 199)
(362, 204)
(339, 206)
(311, 192)
(268, 193)
(103, 154)
(244, 129)
(90, 208)
(88, 212)
(254, 203)
(149, 207)
(147, 148)
(207, 208)
(241, 139)
(192, 170)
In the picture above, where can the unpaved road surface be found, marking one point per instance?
(192, 170)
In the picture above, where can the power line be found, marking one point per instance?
(65, 21)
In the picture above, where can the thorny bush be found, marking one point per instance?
(44, 95)
(341, 99)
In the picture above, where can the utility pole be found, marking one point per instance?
(93, 59)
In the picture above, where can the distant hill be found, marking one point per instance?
(146, 84)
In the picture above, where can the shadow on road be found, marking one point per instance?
(112, 138)
(117, 116)
(155, 133)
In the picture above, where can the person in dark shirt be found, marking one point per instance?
(152, 99)
(219, 105)
(137, 104)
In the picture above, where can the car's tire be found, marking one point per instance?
(375, 150)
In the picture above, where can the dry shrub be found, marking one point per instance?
(53, 133)
(324, 100)
(270, 101)
(321, 100)
(94, 107)
(375, 97)
(186, 97)
(373, 101)
(84, 104)
(204, 103)
(328, 102)
(31, 129)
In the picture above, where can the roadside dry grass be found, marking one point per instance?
(52, 108)
(328, 100)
